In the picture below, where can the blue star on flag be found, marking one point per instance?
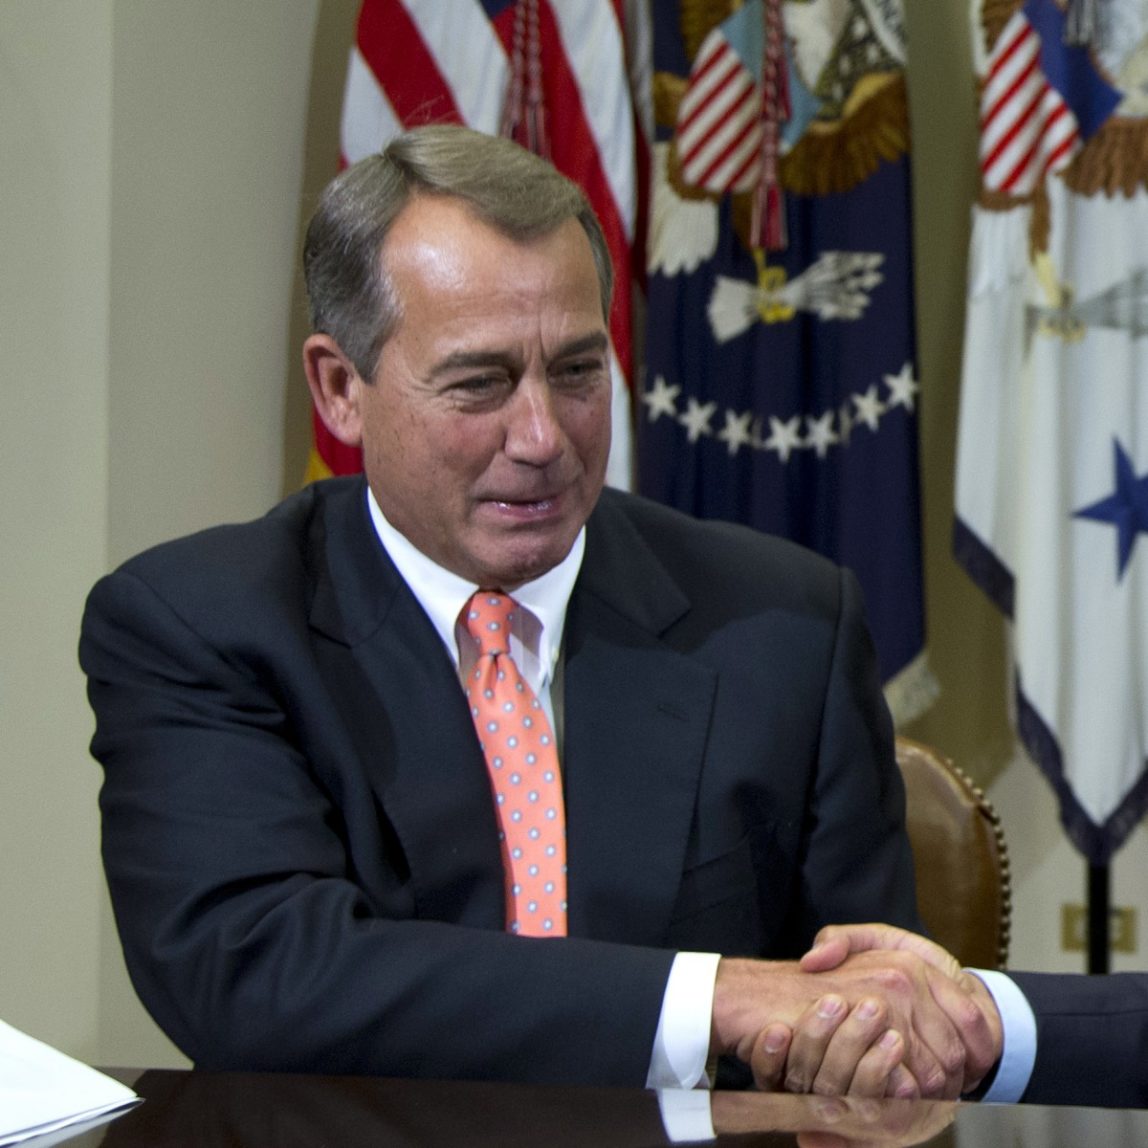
(1126, 508)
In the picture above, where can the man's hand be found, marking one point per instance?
(836, 1051)
(961, 995)
(752, 996)
(821, 1122)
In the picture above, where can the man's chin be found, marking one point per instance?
(524, 561)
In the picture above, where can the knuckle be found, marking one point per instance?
(952, 1058)
(903, 1085)
(795, 1082)
(932, 1082)
(967, 1015)
(827, 1086)
(894, 979)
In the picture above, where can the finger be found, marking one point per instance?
(767, 1059)
(956, 999)
(850, 1044)
(834, 943)
(873, 1075)
(902, 1085)
(827, 953)
(935, 1053)
(811, 1036)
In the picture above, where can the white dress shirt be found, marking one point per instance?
(681, 1044)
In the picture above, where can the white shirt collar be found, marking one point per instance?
(443, 594)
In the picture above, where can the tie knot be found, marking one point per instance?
(487, 619)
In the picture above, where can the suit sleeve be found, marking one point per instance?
(246, 929)
(859, 864)
(1091, 1039)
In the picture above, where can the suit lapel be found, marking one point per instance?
(410, 723)
(636, 718)
(637, 713)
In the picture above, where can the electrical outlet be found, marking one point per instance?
(1074, 929)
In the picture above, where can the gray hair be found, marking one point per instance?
(520, 195)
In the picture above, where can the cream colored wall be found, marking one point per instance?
(157, 159)
(152, 164)
(55, 194)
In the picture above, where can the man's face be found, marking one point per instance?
(487, 425)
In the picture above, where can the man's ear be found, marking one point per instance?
(335, 388)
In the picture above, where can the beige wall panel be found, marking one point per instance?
(55, 70)
(209, 111)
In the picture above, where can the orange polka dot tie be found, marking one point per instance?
(522, 759)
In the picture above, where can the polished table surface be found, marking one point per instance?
(182, 1109)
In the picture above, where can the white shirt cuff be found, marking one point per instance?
(682, 1042)
(1018, 1054)
(686, 1114)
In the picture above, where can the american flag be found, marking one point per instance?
(732, 112)
(719, 121)
(423, 61)
(1040, 100)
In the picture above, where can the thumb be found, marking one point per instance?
(836, 942)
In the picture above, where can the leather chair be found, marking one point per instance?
(964, 890)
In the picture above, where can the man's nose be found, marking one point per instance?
(534, 432)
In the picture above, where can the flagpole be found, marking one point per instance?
(1099, 913)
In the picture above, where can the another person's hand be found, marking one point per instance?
(940, 1052)
(835, 1050)
(962, 996)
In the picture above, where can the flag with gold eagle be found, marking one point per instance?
(780, 383)
(1052, 461)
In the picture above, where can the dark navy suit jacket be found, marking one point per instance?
(298, 830)
(1091, 1039)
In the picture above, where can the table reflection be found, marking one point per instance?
(244, 1110)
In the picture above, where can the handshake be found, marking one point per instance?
(870, 1010)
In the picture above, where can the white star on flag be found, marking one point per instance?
(696, 420)
(869, 408)
(661, 399)
(736, 433)
(784, 437)
(820, 435)
(903, 388)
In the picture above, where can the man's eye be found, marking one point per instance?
(581, 369)
(478, 385)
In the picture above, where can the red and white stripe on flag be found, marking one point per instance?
(424, 61)
(1027, 130)
(719, 121)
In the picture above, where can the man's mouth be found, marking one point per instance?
(532, 507)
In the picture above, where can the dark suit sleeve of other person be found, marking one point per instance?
(1091, 1039)
(298, 830)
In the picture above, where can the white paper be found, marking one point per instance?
(42, 1090)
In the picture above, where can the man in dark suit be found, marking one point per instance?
(305, 860)
(1066, 1038)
